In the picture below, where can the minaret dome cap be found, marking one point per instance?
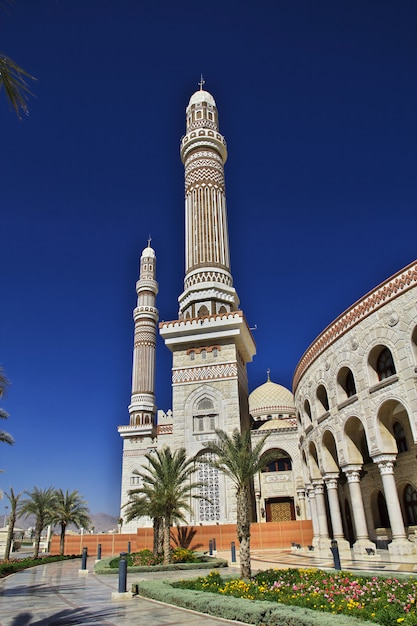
(202, 96)
(148, 252)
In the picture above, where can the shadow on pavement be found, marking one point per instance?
(67, 617)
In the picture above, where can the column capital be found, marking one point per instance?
(318, 486)
(352, 472)
(331, 480)
(385, 463)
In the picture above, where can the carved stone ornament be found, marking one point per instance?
(327, 365)
(354, 343)
(393, 319)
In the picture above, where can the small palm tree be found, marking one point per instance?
(141, 505)
(70, 508)
(235, 458)
(42, 504)
(167, 482)
(14, 500)
(4, 383)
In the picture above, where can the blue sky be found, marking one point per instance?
(317, 101)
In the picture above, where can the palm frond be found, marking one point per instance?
(14, 80)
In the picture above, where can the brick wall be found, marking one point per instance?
(263, 536)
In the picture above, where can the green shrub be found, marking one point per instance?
(183, 555)
(15, 565)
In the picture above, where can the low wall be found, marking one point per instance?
(263, 536)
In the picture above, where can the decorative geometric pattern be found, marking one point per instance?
(165, 429)
(204, 174)
(357, 312)
(280, 512)
(204, 154)
(209, 510)
(210, 372)
(210, 277)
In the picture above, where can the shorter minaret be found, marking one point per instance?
(139, 436)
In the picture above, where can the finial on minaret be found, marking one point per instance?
(201, 83)
(149, 240)
(268, 371)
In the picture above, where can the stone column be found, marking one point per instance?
(321, 515)
(362, 543)
(400, 544)
(313, 510)
(332, 484)
(301, 494)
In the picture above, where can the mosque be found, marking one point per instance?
(345, 440)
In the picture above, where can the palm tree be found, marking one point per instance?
(13, 499)
(168, 485)
(70, 508)
(236, 459)
(141, 505)
(4, 383)
(42, 504)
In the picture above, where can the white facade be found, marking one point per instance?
(356, 398)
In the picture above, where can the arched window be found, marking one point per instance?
(222, 309)
(383, 511)
(205, 417)
(203, 354)
(410, 505)
(281, 464)
(192, 355)
(322, 398)
(400, 437)
(385, 364)
(203, 311)
(350, 386)
(307, 409)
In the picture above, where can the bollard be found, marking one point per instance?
(122, 572)
(128, 547)
(99, 552)
(336, 556)
(214, 545)
(211, 547)
(84, 559)
(233, 547)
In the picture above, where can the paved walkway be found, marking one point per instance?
(57, 595)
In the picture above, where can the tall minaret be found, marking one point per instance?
(208, 284)
(210, 342)
(138, 437)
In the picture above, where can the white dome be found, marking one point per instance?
(271, 398)
(148, 252)
(202, 96)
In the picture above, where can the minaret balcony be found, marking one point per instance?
(136, 430)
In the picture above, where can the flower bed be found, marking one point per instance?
(382, 600)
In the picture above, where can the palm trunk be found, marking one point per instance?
(62, 539)
(38, 531)
(167, 539)
(156, 533)
(10, 531)
(243, 531)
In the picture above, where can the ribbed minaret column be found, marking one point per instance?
(208, 285)
(142, 407)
